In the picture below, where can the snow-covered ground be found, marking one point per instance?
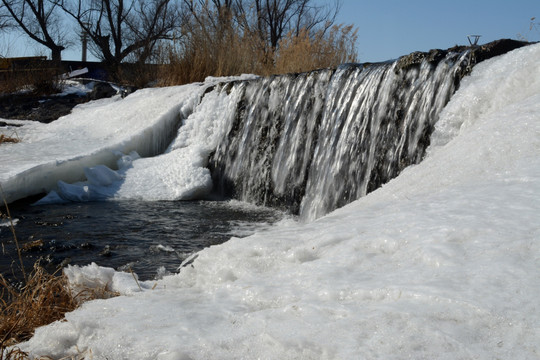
(443, 262)
(95, 133)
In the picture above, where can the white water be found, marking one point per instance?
(442, 262)
(363, 141)
(266, 154)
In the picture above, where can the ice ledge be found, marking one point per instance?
(93, 134)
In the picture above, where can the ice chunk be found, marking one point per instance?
(101, 175)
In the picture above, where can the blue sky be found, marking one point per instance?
(388, 29)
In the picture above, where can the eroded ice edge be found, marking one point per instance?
(111, 148)
(442, 262)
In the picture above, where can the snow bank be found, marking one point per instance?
(93, 134)
(181, 173)
(178, 174)
(442, 262)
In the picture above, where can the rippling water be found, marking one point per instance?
(149, 238)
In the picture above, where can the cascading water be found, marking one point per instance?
(266, 154)
(379, 124)
(316, 141)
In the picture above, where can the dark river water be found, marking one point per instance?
(147, 237)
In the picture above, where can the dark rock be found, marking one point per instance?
(5, 124)
(496, 48)
(479, 53)
(102, 90)
(38, 108)
(45, 109)
(416, 58)
(406, 62)
(436, 55)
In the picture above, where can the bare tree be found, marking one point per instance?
(273, 19)
(228, 37)
(122, 28)
(4, 18)
(268, 20)
(41, 21)
(216, 16)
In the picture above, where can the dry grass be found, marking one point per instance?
(42, 299)
(39, 81)
(9, 139)
(203, 51)
(305, 51)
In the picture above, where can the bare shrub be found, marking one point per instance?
(304, 52)
(44, 298)
(203, 54)
(205, 51)
(230, 38)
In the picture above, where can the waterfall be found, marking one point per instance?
(316, 141)
(266, 154)
(373, 128)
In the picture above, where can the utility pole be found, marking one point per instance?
(84, 40)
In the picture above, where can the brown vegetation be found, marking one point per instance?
(34, 79)
(8, 139)
(256, 37)
(303, 52)
(42, 299)
(206, 53)
(230, 53)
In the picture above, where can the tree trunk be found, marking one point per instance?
(56, 54)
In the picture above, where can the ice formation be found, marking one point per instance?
(96, 133)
